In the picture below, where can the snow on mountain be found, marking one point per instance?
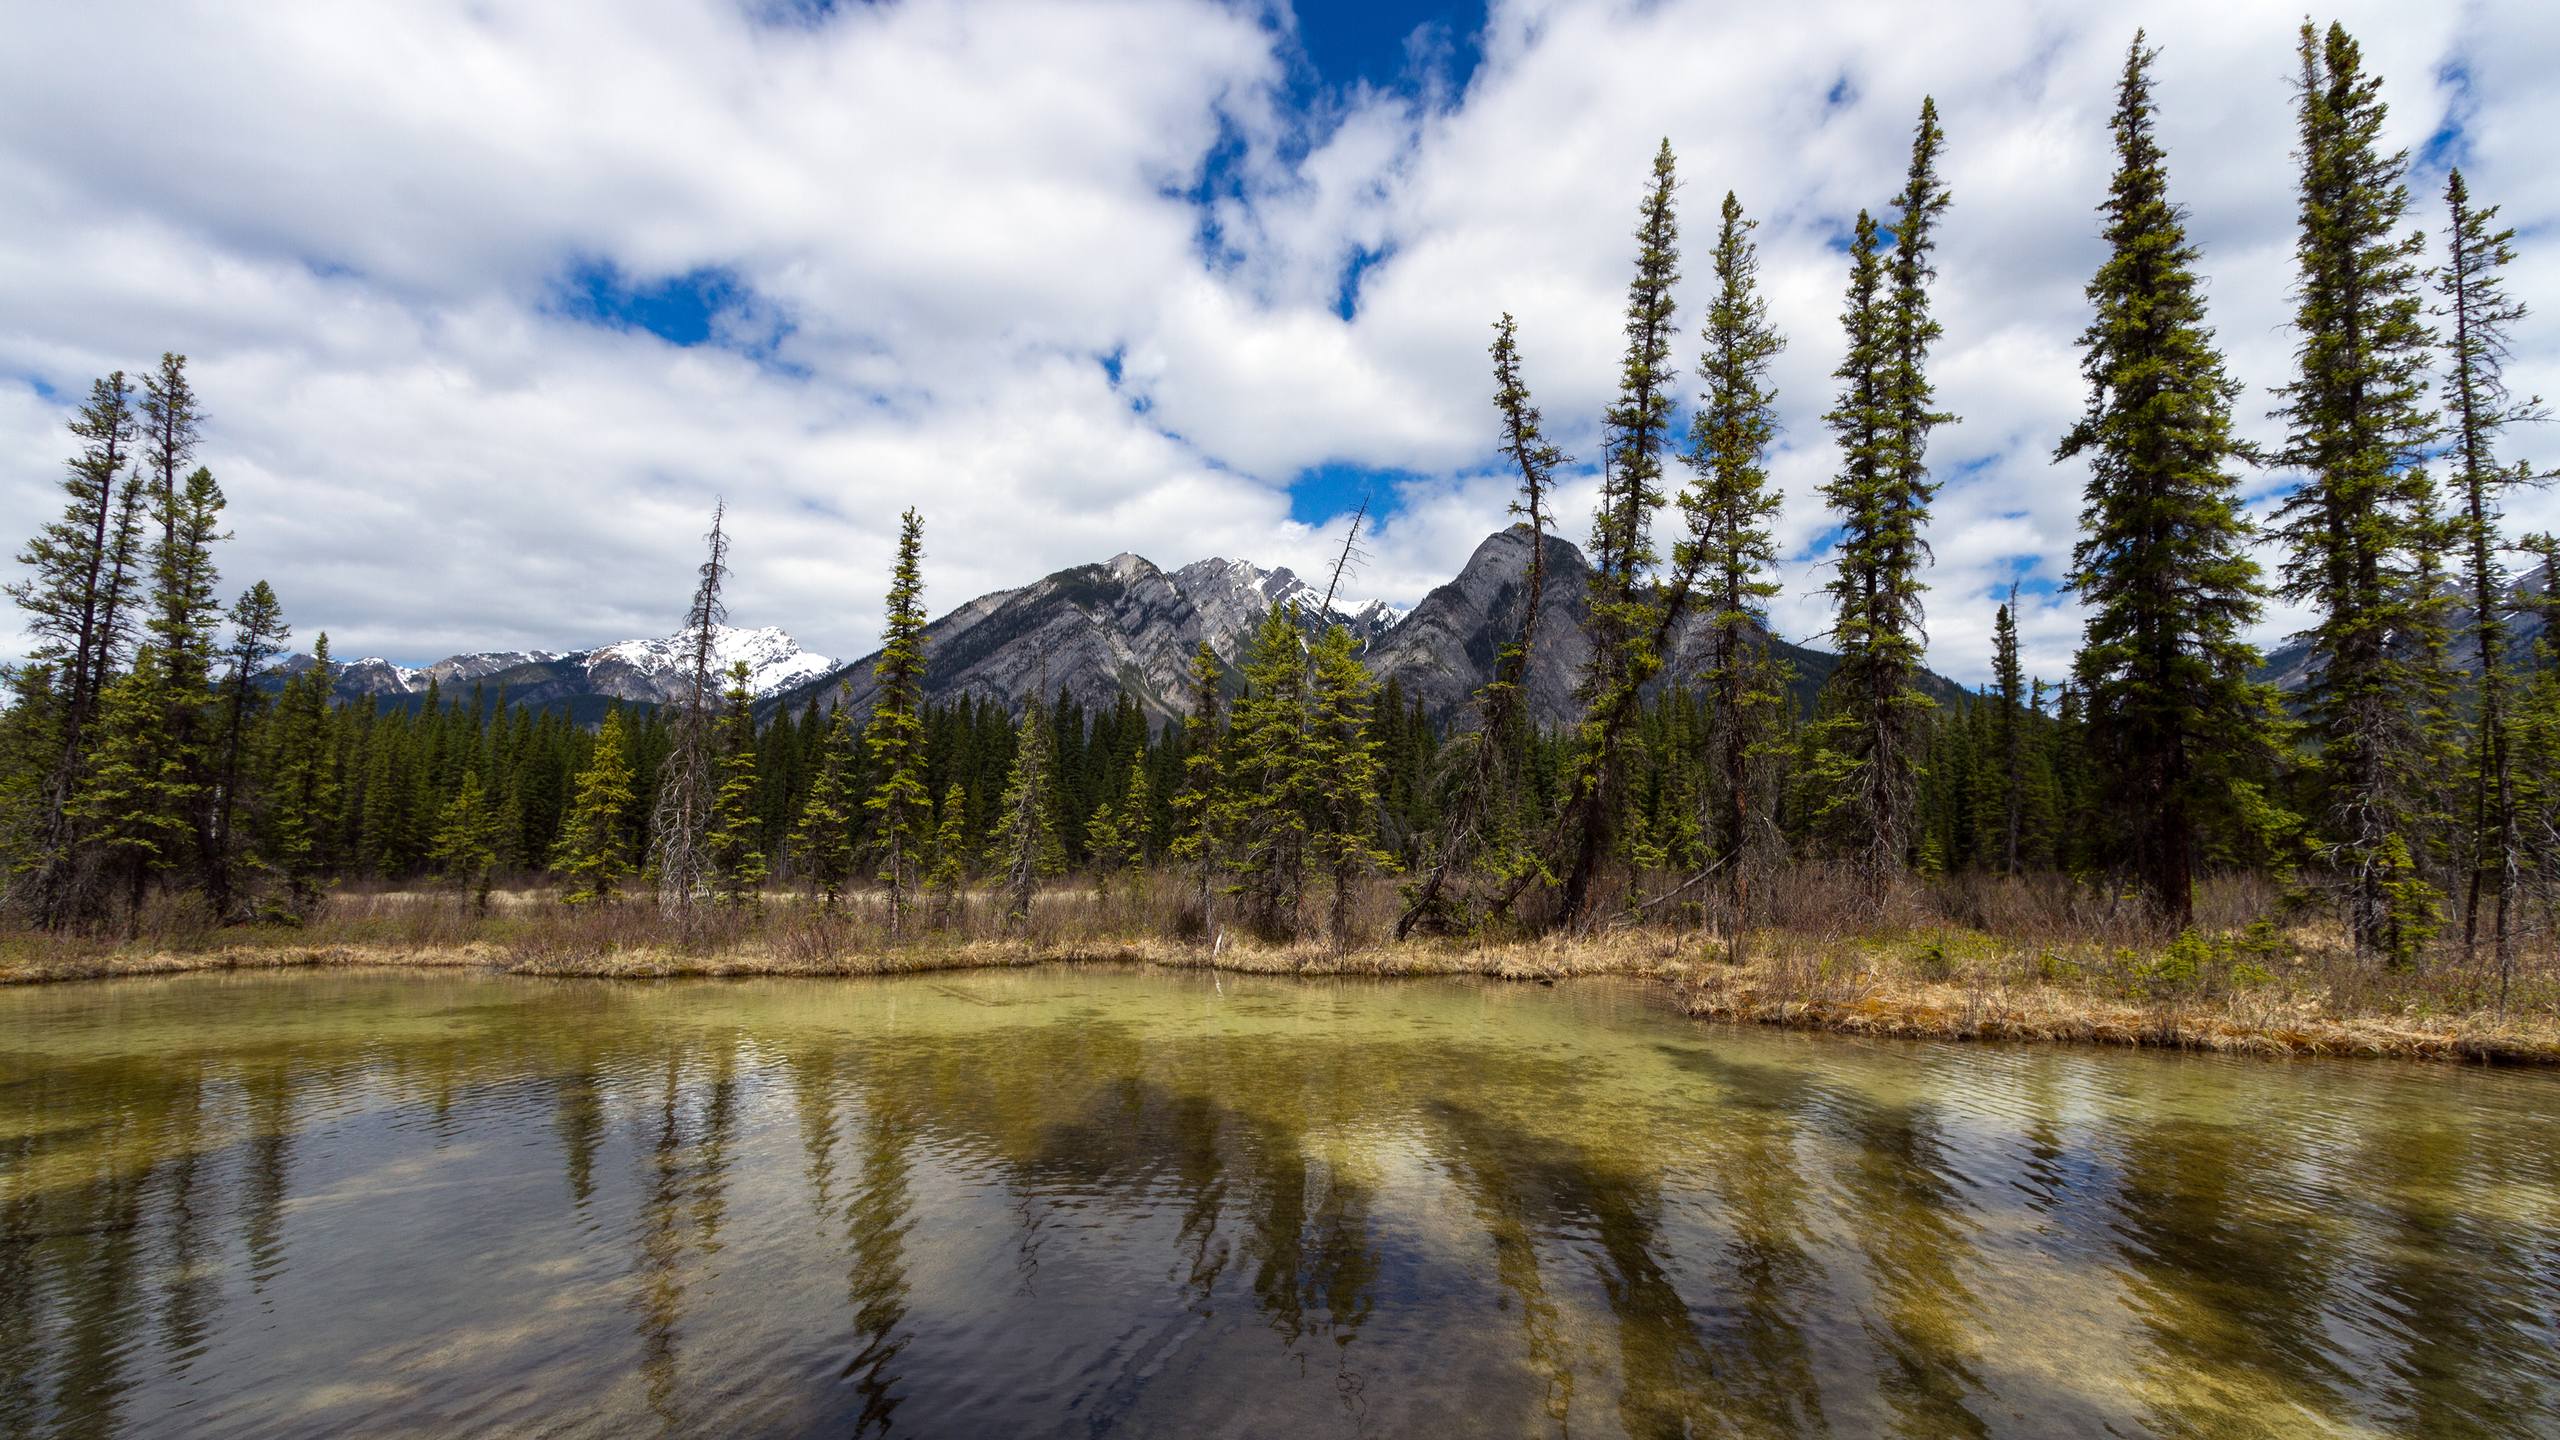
(1233, 596)
(1369, 616)
(650, 671)
(773, 659)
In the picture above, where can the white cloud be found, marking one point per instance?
(356, 221)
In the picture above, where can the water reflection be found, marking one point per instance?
(1032, 1203)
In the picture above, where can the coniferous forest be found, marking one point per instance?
(2163, 815)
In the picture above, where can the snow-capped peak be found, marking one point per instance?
(1376, 613)
(773, 659)
(409, 677)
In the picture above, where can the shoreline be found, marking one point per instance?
(1778, 989)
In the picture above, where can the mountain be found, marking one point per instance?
(583, 682)
(1129, 627)
(1125, 626)
(1445, 649)
(2288, 666)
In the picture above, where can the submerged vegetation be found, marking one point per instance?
(2158, 848)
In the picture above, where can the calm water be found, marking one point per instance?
(1044, 1203)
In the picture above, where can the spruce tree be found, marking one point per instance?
(182, 628)
(2481, 316)
(1626, 615)
(1026, 824)
(1730, 511)
(466, 842)
(1195, 802)
(1477, 829)
(2357, 527)
(2010, 728)
(258, 633)
(594, 852)
(137, 798)
(1882, 493)
(1342, 778)
(1263, 811)
(822, 838)
(171, 430)
(1115, 838)
(1911, 330)
(2175, 726)
(949, 879)
(1861, 773)
(901, 807)
(70, 626)
(733, 848)
(292, 818)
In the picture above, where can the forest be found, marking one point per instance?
(2397, 811)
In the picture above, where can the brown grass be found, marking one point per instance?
(1980, 959)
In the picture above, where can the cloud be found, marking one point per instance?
(488, 303)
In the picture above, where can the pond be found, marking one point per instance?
(1054, 1202)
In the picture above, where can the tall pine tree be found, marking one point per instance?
(1861, 772)
(2481, 317)
(258, 633)
(2176, 728)
(69, 602)
(1195, 801)
(2357, 528)
(1731, 509)
(1883, 422)
(1266, 802)
(900, 805)
(1477, 829)
(1627, 613)
(1342, 775)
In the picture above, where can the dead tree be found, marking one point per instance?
(677, 855)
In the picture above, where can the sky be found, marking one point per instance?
(487, 303)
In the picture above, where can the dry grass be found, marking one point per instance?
(1979, 959)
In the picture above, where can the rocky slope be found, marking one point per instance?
(1446, 648)
(2288, 666)
(1126, 626)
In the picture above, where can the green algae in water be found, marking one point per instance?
(1069, 1202)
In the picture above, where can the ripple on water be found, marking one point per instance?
(1034, 1202)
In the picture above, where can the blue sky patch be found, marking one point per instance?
(1332, 490)
(679, 309)
(1347, 302)
(1346, 41)
(2449, 146)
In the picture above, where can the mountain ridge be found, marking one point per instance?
(1120, 627)
(648, 671)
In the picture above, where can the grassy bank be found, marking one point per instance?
(2251, 988)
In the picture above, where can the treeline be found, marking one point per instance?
(2414, 779)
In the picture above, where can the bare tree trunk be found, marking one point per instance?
(685, 784)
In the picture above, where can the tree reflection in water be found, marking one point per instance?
(1032, 1203)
